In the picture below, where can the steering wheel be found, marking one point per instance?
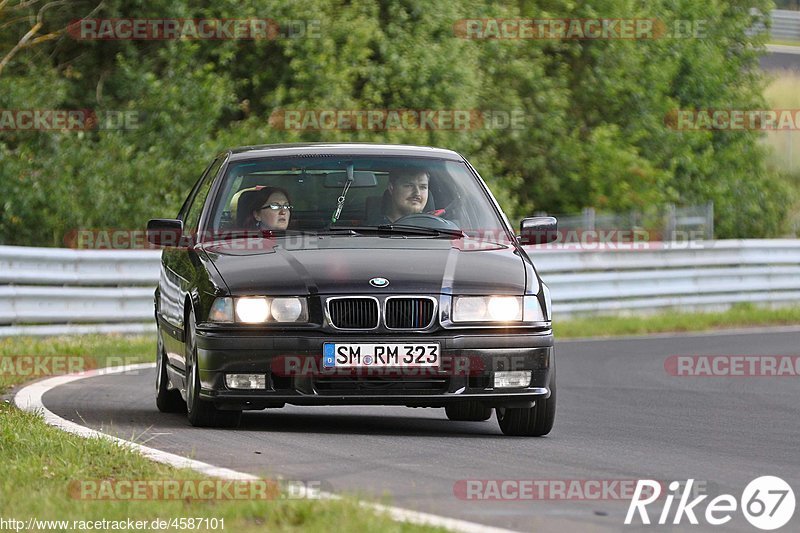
(425, 220)
(448, 210)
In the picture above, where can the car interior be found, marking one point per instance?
(315, 197)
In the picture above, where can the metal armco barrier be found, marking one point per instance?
(785, 25)
(706, 275)
(53, 291)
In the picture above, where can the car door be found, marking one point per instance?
(179, 268)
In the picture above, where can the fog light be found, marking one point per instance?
(246, 381)
(516, 378)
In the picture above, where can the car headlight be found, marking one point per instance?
(259, 310)
(487, 309)
(501, 309)
(548, 303)
(533, 310)
(221, 310)
(288, 310)
(252, 310)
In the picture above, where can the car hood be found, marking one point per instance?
(345, 265)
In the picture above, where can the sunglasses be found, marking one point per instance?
(277, 207)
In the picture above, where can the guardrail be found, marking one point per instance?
(785, 25)
(706, 275)
(53, 291)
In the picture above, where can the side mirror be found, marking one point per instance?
(538, 230)
(165, 232)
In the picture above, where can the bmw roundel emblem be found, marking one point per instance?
(379, 282)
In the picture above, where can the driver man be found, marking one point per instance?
(407, 194)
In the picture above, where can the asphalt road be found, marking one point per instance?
(620, 416)
(781, 57)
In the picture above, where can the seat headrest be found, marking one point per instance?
(236, 197)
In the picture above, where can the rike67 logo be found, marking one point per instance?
(767, 502)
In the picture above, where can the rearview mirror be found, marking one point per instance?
(165, 232)
(361, 178)
(538, 230)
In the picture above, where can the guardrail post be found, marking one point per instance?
(669, 230)
(709, 221)
(589, 218)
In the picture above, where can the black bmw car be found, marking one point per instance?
(330, 274)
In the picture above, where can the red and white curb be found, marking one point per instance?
(29, 398)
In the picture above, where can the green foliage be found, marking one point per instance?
(740, 315)
(594, 132)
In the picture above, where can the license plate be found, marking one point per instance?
(336, 355)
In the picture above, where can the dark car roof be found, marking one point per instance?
(336, 149)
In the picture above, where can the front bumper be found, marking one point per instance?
(291, 361)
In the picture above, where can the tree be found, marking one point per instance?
(593, 131)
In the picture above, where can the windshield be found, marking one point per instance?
(354, 195)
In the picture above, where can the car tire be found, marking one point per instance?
(469, 411)
(167, 400)
(536, 421)
(201, 413)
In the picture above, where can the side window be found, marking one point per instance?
(188, 201)
(192, 217)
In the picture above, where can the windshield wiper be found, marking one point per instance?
(401, 229)
(341, 230)
(392, 229)
(252, 234)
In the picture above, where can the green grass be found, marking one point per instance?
(740, 315)
(87, 350)
(785, 43)
(39, 462)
